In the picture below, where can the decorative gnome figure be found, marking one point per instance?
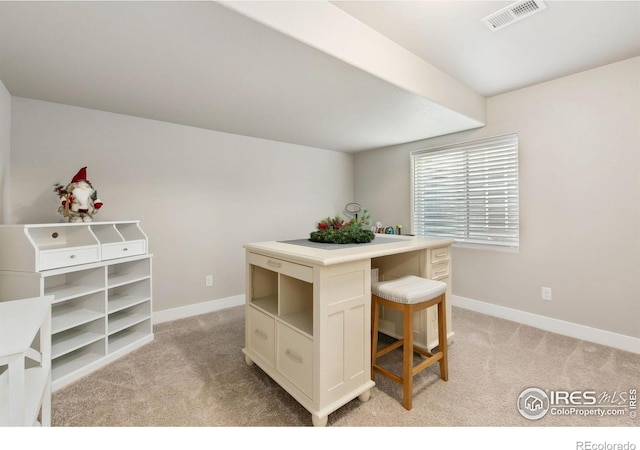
(78, 200)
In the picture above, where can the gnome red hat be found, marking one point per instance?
(80, 176)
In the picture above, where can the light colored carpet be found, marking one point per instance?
(194, 374)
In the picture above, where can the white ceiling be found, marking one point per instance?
(564, 38)
(206, 65)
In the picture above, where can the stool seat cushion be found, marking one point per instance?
(409, 289)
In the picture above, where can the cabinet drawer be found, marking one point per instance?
(295, 357)
(440, 254)
(51, 259)
(122, 249)
(304, 273)
(439, 271)
(261, 334)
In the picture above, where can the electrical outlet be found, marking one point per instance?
(546, 293)
(208, 280)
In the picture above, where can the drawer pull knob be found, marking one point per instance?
(294, 356)
(274, 263)
(72, 256)
(261, 333)
(125, 249)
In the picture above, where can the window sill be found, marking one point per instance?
(489, 247)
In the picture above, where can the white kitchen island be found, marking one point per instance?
(308, 312)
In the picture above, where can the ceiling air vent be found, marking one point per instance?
(513, 13)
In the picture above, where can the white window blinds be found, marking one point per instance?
(468, 191)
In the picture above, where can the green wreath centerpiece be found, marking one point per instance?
(336, 231)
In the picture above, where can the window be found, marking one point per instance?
(468, 191)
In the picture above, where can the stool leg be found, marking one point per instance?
(407, 358)
(375, 319)
(442, 339)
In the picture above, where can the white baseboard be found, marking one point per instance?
(183, 312)
(574, 330)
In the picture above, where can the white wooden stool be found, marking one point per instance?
(409, 294)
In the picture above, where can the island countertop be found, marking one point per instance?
(324, 254)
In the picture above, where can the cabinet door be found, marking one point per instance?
(295, 357)
(261, 334)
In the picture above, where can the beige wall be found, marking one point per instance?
(5, 149)
(200, 195)
(579, 200)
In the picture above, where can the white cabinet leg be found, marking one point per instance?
(319, 421)
(248, 361)
(364, 397)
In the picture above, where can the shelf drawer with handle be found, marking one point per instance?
(440, 254)
(261, 334)
(299, 271)
(295, 357)
(440, 261)
(64, 257)
(123, 249)
(440, 271)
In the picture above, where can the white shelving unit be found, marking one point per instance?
(99, 276)
(25, 362)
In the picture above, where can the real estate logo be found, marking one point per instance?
(533, 403)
